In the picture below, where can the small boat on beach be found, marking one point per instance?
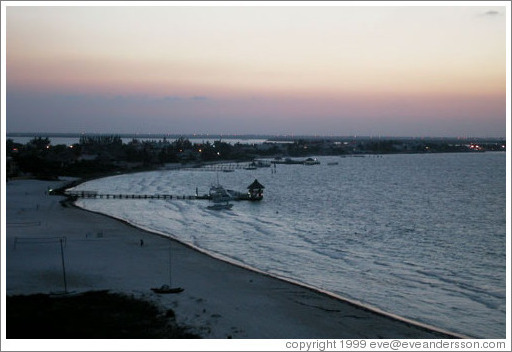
(165, 289)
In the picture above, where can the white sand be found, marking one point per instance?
(220, 300)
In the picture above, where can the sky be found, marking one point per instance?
(314, 70)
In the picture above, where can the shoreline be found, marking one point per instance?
(357, 304)
(318, 311)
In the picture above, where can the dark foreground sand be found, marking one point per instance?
(220, 300)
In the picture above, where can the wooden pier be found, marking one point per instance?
(255, 193)
(95, 195)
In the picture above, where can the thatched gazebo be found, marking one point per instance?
(255, 190)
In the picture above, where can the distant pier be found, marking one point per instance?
(229, 167)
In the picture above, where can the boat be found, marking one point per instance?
(251, 166)
(262, 163)
(220, 206)
(220, 194)
(286, 161)
(333, 163)
(220, 198)
(255, 164)
(311, 161)
(165, 289)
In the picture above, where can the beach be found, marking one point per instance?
(219, 301)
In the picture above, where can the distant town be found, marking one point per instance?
(97, 154)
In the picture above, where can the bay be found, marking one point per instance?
(422, 236)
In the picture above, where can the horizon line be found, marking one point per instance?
(232, 135)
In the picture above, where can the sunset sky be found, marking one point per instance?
(330, 70)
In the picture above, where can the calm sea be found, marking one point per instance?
(422, 236)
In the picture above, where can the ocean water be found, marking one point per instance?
(422, 236)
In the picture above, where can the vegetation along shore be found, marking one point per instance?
(100, 155)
